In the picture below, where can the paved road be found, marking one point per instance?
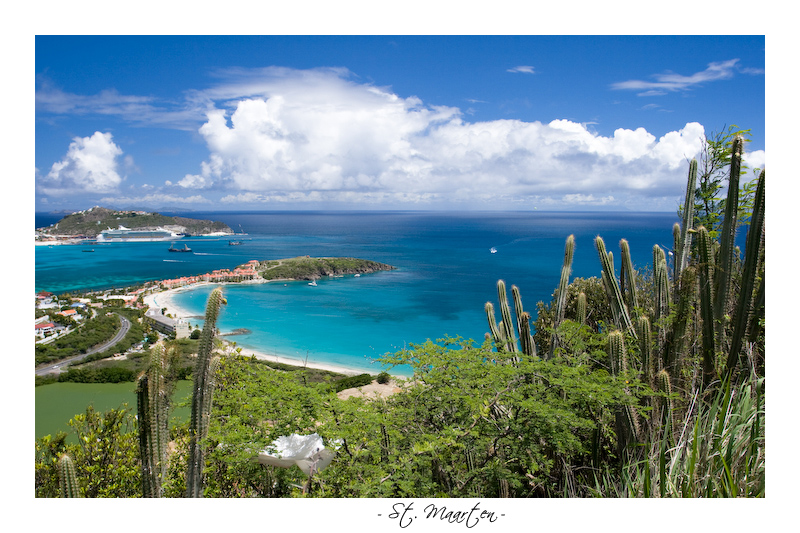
(59, 365)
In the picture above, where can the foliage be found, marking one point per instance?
(93, 332)
(352, 381)
(105, 459)
(383, 378)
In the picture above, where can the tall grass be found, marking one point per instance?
(717, 451)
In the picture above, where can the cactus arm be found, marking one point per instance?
(627, 272)
(527, 345)
(505, 313)
(683, 250)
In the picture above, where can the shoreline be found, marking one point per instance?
(165, 299)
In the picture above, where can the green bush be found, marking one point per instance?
(353, 381)
(383, 378)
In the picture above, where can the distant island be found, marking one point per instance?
(314, 268)
(90, 222)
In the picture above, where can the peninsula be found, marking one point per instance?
(89, 223)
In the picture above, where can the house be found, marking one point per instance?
(44, 328)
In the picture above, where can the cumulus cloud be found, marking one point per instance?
(318, 136)
(90, 165)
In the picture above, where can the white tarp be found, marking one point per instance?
(306, 451)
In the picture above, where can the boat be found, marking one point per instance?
(313, 283)
(184, 249)
(92, 250)
(493, 250)
(234, 243)
(123, 234)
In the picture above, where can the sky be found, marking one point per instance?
(386, 122)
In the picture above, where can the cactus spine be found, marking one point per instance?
(561, 299)
(202, 395)
(152, 397)
(67, 480)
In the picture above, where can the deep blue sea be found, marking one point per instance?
(445, 272)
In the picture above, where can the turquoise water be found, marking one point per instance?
(445, 273)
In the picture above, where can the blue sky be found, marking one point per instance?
(386, 122)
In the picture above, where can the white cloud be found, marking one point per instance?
(315, 136)
(670, 81)
(156, 200)
(90, 165)
(526, 69)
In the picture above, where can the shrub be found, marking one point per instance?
(383, 378)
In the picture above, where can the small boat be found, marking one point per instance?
(92, 250)
(313, 283)
(234, 243)
(184, 249)
(493, 250)
(357, 276)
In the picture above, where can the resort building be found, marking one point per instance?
(168, 325)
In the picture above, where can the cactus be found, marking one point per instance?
(153, 410)
(753, 262)
(724, 270)
(684, 242)
(661, 280)
(706, 280)
(646, 349)
(664, 385)
(613, 292)
(202, 395)
(561, 292)
(503, 334)
(628, 429)
(67, 480)
(627, 276)
(582, 308)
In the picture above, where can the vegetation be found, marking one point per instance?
(92, 221)
(94, 331)
(312, 268)
(646, 384)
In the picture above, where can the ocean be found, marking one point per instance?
(445, 272)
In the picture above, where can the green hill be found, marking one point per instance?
(94, 220)
(312, 268)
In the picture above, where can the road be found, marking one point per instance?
(58, 365)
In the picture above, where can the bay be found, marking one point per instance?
(445, 272)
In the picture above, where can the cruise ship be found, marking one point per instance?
(123, 234)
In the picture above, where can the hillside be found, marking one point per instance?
(94, 220)
(312, 268)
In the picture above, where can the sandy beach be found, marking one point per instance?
(160, 300)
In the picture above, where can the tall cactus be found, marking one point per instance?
(618, 307)
(561, 298)
(649, 363)
(627, 276)
(67, 480)
(152, 395)
(503, 334)
(581, 308)
(753, 261)
(684, 243)
(202, 393)
(724, 271)
(706, 282)
(628, 428)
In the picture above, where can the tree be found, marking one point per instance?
(712, 178)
